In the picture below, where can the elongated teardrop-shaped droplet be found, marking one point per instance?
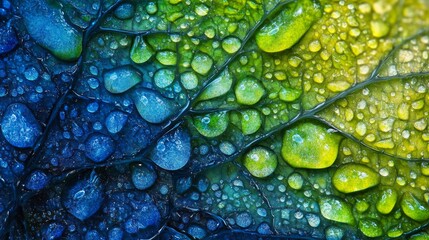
(19, 126)
(289, 26)
(47, 25)
(121, 79)
(153, 107)
(141, 52)
(173, 150)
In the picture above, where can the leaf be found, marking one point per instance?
(218, 87)
(390, 115)
(358, 72)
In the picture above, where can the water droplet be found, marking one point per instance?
(227, 148)
(295, 181)
(310, 146)
(141, 52)
(251, 121)
(420, 124)
(260, 162)
(121, 79)
(201, 10)
(353, 177)
(249, 91)
(167, 58)
(37, 180)
(244, 219)
(84, 198)
(379, 28)
(189, 80)
(201, 63)
(336, 210)
(288, 26)
(143, 176)
(151, 8)
(338, 86)
(93, 83)
(314, 46)
(175, 152)
(19, 126)
(115, 121)
(163, 78)
(212, 125)
(153, 107)
(361, 128)
(99, 147)
(92, 107)
(31, 73)
(231, 44)
(217, 87)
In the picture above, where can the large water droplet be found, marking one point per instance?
(36, 181)
(175, 152)
(201, 63)
(143, 176)
(212, 125)
(90, 199)
(19, 126)
(99, 147)
(218, 87)
(163, 78)
(47, 25)
(189, 80)
(288, 26)
(141, 52)
(115, 121)
(249, 91)
(231, 44)
(153, 107)
(121, 79)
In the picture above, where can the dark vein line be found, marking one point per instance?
(176, 120)
(87, 35)
(362, 143)
(255, 184)
(134, 33)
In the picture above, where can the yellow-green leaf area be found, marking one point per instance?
(420, 236)
(217, 87)
(249, 91)
(414, 208)
(336, 210)
(310, 146)
(353, 177)
(370, 228)
(289, 26)
(251, 121)
(387, 201)
(141, 52)
(260, 162)
(289, 94)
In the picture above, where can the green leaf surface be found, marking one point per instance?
(311, 116)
